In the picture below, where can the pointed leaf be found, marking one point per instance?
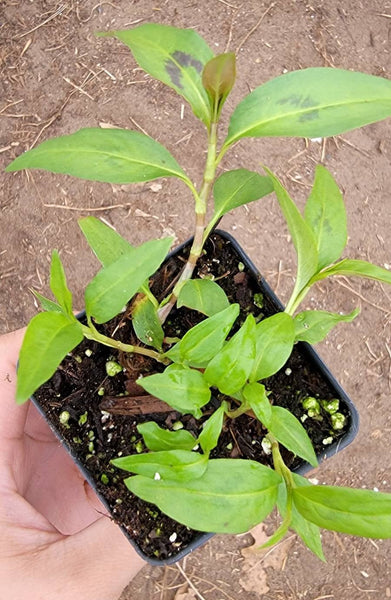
(156, 438)
(203, 341)
(177, 465)
(231, 367)
(48, 339)
(46, 303)
(231, 497)
(58, 284)
(302, 236)
(312, 326)
(358, 512)
(211, 429)
(203, 295)
(356, 268)
(115, 284)
(174, 56)
(315, 102)
(290, 432)
(238, 187)
(107, 244)
(146, 323)
(111, 155)
(255, 395)
(185, 390)
(309, 532)
(326, 215)
(274, 342)
(218, 78)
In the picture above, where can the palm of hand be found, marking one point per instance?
(42, 493)
(54, 541)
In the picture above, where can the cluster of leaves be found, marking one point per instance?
(222, 495)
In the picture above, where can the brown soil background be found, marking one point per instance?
(56, 77)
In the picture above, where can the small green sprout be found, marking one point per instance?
(312, 406)
(338, 421)
(258, 300)
(104, 479)
(139, 447)
(83, 418)
(330, 406)
(64, 418)
(113, 368)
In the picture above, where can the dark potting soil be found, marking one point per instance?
(95, 436)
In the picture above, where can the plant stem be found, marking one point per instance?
(279, 464)
(233, 414)
(201, 202)
(91, 333)
(296, 299)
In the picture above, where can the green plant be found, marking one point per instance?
(177, 474)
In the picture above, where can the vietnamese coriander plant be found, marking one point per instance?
(177, 473)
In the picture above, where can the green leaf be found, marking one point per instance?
(315, 102)
(146, 322)
(326, 215)
(358, 512)
(182, 388)
(302, 236)
(203, 341)
(211, 429)
(274, 342)
(231, 497)
(291, 433)
(309, 532)
(218, 78)
(255, 395)
(231, 367)
(46, 303)
(174, 56)
(358, 268)
(48, 339)
(111, 155)
(235, 188)
(115, 284)
(203, 295)
(58, 284)
(156, 438)
(178, 465)
(312, 326)
(107, 244)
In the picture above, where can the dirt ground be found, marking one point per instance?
(56, 77)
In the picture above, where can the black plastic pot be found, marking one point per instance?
(310, 356)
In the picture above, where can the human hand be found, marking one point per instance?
(55, 543)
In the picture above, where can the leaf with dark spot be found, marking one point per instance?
(174, 56)
(315, 102)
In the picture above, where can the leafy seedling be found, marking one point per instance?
(227, 354)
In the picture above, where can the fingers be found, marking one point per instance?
(101, 561)
(12, 417)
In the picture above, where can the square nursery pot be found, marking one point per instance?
(81, 387)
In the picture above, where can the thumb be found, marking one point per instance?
(100, 562)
